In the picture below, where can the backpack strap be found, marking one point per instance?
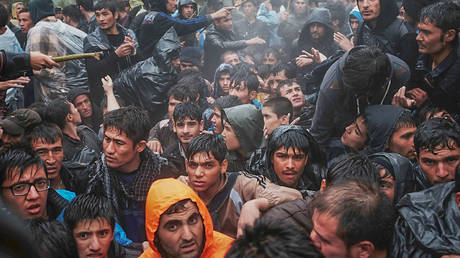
(218, 201)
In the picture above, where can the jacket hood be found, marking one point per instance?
(318, 15)
(163, 194)
(380, 123)
(228, 68)
(355, 12)
(248, 123)
(400, 168)
(388, 12)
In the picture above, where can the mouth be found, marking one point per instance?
(187, 248)
(198, 183)
(110, 159)
(289, 174)
(34, 209)
(94, 255)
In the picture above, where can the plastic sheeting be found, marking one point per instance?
(146, 83)
(58, 39)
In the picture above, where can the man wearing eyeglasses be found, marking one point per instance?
(24, 184)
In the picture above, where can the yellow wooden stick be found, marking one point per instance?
(96, 55)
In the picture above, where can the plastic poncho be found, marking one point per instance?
(146, 83)
(162, 195)
(55, 38)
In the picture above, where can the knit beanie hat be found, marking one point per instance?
(40, 9)
(191, 55)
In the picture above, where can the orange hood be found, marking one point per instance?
(163, 194)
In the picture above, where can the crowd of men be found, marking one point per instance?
(245, 128)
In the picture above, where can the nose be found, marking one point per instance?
(186, 128)
(51, 160)
(419, 37)
(441, 170)
(110, 148)
(198, 172)
(365, 3)
(315, 240)
(290, 163)
(187, 234)
(33, 193)
(94, 245)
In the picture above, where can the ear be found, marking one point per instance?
(449, 35)
(2, 30)
(363, 249)
(116, 15)
(457, 199)
(252, 95)
(140, 146)
(201, 125)
(285, 119)
(323, 185)
(223, 167)
(68, 117)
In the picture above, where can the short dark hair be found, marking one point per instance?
(287, 82)
(4, 16)
(278, 68)
(73, 12)
(274, 51)
(338, 11)
(46, 132)
(363, 212)
(57, 111)
(54, 238)
(405, 120)
(280, 106)
(18, 158)
(89, 207)
(187, 110)
(366, 69)
(244, 74)
(193, 79)
(272, 240)
(437, 132)
(88, 5)
(208, 143)
(352, 167)
(131, 120)
(183, 93)
(227, 101)
(105, 4)
(444, 15)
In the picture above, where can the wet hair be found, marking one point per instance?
(444, 15)
(18, 159)
(4, 16)
(131, 120)
(437, 132)
(40, 108)
(193, 79)
(89, 207)
(88, 5)
(404, 121)
(45, 132)
(73, 12)
(183, 93)
(57, 111)
(186, 110)
(363, 213)
(352, 167)
(244, 74)
(54, 238)
(263, 70)
(280, 106)
(287, 82)
(208, 143)
(278, 68)
(227, 102)
(106, 4)
(366, 70)
(121, 5)
(273, 51)
(272, 240)
(338, 11)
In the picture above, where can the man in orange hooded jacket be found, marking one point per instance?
(178, 224)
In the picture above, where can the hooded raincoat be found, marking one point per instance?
(162, 195)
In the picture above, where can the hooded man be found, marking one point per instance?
(243, 134)
(188, 9)
(222, 80)
(178, 224)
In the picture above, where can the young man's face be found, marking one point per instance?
(324, 236)
(25, 22)
(171, 6)
(270, 59)
(300, 6)
(83, 105)
(369, 9)
(272, 121)
(204, 172)
(188, 66)
(172, 102)
(224, 23)
(31, 204)
(187, 129)
(51, 153)
(224, 82)
(181, 234)
(188, 11)
(387, 184)
(294, 93)
(289, 165)
(121, 153)
(232, 59)
(93, 238)
(106, 19)
(241, 91)
(439, 165)
(217, 121)
(317, 30)
(354, 23)
(429, 38)
(248, 9)
(402, 142)
(355, 135)
(231, 140)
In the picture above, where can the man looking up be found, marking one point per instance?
(118, 44)
(276, 112)
(90, 115)
(291, 90)
(178, 223)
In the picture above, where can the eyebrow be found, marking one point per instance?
(357, 127)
